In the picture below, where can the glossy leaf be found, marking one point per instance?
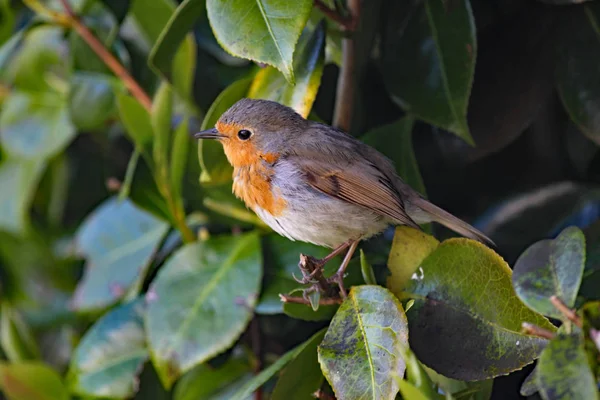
(118, 241)
(136, 120)
(35, 125)
(270, 29)
(201, 301)
(410, 248)
(429, 61)
(31, 381)
(302, 377)
(16, 339)
(94, 94)
(577, 80)
(361, 349)
(309, 59)
(401, 153)
(19, 181)
(563, 371)
(205, 382)
(551, 268)
(281, 264)
(475, 321)
(111, 354)
(152, 16)
(215, 167)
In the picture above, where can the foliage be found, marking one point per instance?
(129, 270)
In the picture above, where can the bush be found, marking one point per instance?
(128, 269)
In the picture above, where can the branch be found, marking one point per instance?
(344, 98)
(346, 22)
(327, 301)
(566, 311)
(110, 61)
(535, 330)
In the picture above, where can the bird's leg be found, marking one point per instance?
(339, 275)
(312, 267)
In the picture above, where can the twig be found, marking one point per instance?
(531, 329)
(344, 97)
(566, 311)
(110, 61)
(346, 22)
(327, 301)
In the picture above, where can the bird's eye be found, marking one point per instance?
(244, 134)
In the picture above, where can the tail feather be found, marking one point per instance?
(450, 221)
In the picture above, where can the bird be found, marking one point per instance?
(314, 183)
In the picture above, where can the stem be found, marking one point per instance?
(535, 330)
(566, 311)
(257, 350)
(344, 98)
(346, 22)
(327, 301)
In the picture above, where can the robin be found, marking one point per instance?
(314, 183)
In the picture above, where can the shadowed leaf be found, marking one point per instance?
(16, 339)
(31, 381)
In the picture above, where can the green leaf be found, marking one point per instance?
(19, 179)
(118, 8)
(465, 304)
(35, 125)
(309, 59)
(428, 61)
(205, 382)
(160, 118)
(577, 80)
(110, 355)
(270, 29)
(416, 374)
(529, 386)
(362, 348)
(179, 155)
(7, 16)
(367, 270)
(563, 371)
(281, 263)
(410, 391)
(401, 153)
(136, 120)
(201, 301)
(152, 17)
(16, 339)
(551, 268)
(409, 248)
(215, 167)
(302, 377)
(91, 100)
(31, 381)
(118, 241)
(306, 313)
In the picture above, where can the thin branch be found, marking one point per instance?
(105, 55)
(535, 330)
(328, 301)
(346, 22)
(344, 98)
(566, 311)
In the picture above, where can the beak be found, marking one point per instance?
(208, 134)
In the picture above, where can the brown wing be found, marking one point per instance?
(360, 184)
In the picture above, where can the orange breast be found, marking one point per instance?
(252, 184)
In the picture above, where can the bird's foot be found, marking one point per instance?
(338, 279)
(311, 268)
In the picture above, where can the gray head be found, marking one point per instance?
(262, 125)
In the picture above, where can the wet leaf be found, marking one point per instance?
(361, 349)
(309, 58)
(136, 120)
(401, 153)
(111, 354)
(551, 268)
(469, 328)
(302, 377)
(35, 125)
(93, 93)
(281, 264)
(201, 301)
(563, 371)
(31, 381)
(215, 167)
(409, 249)
(428, 61)
(270, 29)
(19, 179)
(118, 241)
(16, 339)
(577, 80)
